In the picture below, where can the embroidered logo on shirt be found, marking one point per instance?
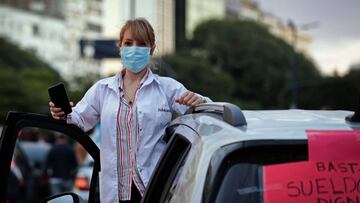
(164, 110)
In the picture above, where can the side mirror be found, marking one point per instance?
(63, 197)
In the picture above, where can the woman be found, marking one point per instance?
(133, 108)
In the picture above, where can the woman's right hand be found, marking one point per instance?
(56, 112)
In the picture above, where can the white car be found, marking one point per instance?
(259, 157)
(218, 153)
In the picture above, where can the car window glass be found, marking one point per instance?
(241, 183)
(174, 183)
(167, 170)
(45, 163)
(173, 179)
(241, 173)
(188, 157)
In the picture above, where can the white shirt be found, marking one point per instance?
(155, 103)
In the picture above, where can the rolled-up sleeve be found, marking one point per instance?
(179, 89)
(207, 99)
(176, 91)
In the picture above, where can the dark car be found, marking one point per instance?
(218, 153)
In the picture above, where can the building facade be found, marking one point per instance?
(53, 29)
(198, 11)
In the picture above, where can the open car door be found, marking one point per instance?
(16, 122)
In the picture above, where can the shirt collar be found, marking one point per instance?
(114, 82)
(148, 78)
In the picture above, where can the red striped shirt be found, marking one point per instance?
(128, 139)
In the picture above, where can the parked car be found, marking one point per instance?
(218, 153)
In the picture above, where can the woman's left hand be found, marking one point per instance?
(190, 99)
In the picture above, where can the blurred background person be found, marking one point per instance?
(61, 166)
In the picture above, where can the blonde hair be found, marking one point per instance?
(141, 29)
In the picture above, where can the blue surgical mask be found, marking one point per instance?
(135, 58)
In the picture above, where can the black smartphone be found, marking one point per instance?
(59, 97)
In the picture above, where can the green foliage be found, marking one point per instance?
(10, 94)
(24, 80)
(332, 93)
(79, 85)
(242, 63)
(259, 64)
(201, 77)
(15, 58)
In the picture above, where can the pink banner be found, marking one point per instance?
(332, 174)
(334, 145)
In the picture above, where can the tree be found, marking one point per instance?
(332, 92)
(24, 80)
(80, 84)
(199, 76)
(260, 63)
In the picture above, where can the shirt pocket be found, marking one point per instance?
(163, 114)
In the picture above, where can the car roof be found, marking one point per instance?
(297, 119)
(270, 124)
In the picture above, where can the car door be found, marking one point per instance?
(180, 138)
(16, 122)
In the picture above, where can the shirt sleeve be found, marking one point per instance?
(86, 113)
(206, 99)
(176, 91)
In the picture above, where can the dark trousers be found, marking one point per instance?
(135, 195)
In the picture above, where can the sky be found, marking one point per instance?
(336, 38)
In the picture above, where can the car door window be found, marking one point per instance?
(168, 170)
(18, 126)
(43, 161)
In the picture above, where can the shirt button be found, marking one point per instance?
(140, 129)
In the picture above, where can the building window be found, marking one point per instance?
(93, 27)
(35, 30)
